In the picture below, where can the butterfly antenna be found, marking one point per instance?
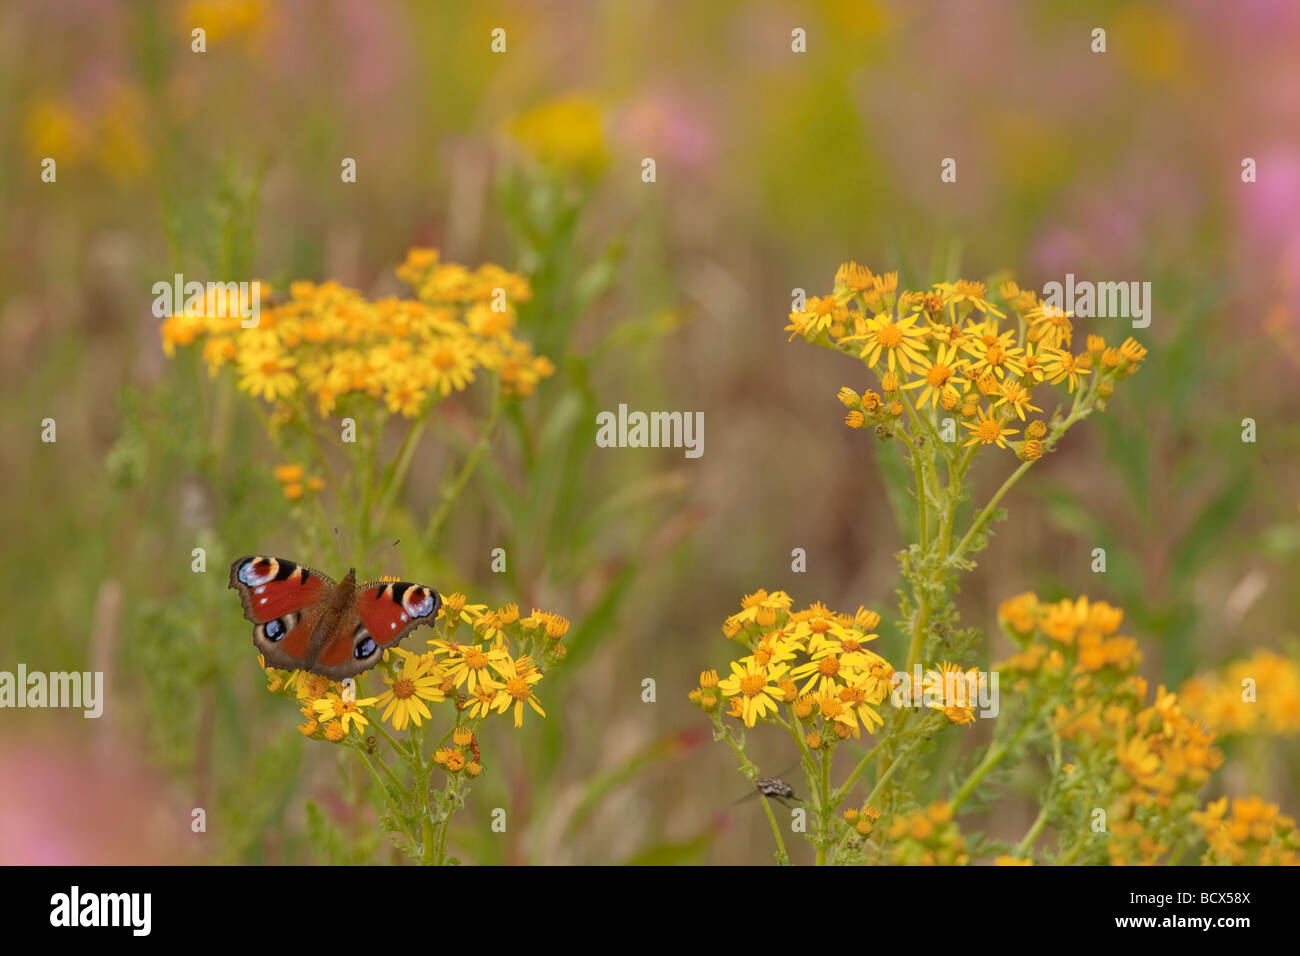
(396, 542)
(338, 541)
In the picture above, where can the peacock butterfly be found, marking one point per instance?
(304, 621)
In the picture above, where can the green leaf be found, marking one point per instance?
(673, 854)
(1198, 545)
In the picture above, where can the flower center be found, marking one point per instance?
(989, 431)
(752, 684)
(995, 354)
(476, 660)
(890, 336)
(403, 688)
(444, 359)
(829, 666)
(938, 375)
(518, 688)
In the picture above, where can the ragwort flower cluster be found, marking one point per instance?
(958, 370)
(1143, 761)
(951, 348)
(815, 662)
(943, 357)
(482, 663)
(811, 673)
(326, 343)
(1258, 695)
(1255, 833)
(327, 350)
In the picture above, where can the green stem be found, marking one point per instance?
(824, 808)
(750, 771)
(391, 776)
(923, 509)
(1069, 857)
(400, 466)
(1027, 843)
(992, 757)
(843, 791)
(795, 729)
(920, 618)
(396, 811)
(429, 833)
(392, 742)
(1177, 853)
(747, 767)
(306, 424)
(450, 796)
(984, 515)
(451, 492)
(370, 453)
(884, 777)
(956, 473)
(782, 857)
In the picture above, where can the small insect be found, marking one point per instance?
(773, 787)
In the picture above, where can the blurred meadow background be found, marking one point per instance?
(772, 169)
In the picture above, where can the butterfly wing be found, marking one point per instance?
(392, 609)
(382, 614)
(285, 601)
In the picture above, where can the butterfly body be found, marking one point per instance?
(303, 620)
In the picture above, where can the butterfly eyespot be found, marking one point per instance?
(258, 571)
(419, 602)
(363, 645)
(275, 630)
